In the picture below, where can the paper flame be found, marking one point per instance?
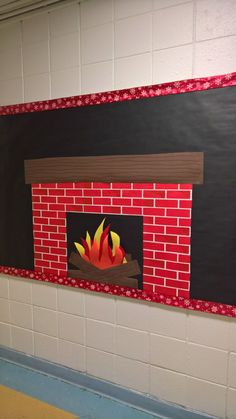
(98, 251)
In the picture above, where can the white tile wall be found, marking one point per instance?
(22, 340)
(46, 347)
(206, 396)
(71, 328)
(70, 301)
(10, 36)
(97, 76)
(163, 321)
(11, 91)
(133, 71)
(44, 297)
(125, 8)
(65, 83)
(211, 22)
(36, 87)
(132, 374)
(36, 58)
(232, 336)
(168, 353)
(20, 291)
(231, 403)
(64, 20)
(64, 52)
(21, 314)
(72, 355)
(10, 63)
(4, 287)
(162, 4)
(209, 332)
(202, 363)
(232, 370)
(173, 26)
(133, 35)
(217, 56)
(91, 15)
(35, 29)
(5, 334)
(100, 364)
(100, 335)
(4, 310)
(168, 385)
(132, 344)
(100, 307)
(132, 315)
(96, 46)
(97, 43)
(172, 64)
(45, 321)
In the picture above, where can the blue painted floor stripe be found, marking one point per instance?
(80, 393)
(65, 395)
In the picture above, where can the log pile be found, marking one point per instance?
(116, 275)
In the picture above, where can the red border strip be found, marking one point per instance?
(189, 304)
(184, 86)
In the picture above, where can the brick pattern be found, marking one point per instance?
(166, 211)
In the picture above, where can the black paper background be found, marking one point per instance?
(197, 121)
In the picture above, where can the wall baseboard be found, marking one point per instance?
(107, 389)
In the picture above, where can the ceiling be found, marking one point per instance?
(11, 8)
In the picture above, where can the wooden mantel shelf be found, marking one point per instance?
(161, 168)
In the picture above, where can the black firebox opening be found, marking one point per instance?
(128, 228)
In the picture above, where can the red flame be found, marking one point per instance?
(98, 251)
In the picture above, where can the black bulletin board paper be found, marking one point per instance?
(202, 121)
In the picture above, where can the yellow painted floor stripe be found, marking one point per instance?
(15, 405)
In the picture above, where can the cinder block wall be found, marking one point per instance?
(183, 357)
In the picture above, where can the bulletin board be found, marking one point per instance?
(163, 153)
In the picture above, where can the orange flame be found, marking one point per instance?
(98, 251)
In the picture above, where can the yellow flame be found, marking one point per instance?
(98, 233)
(115, 238)
(80, 248)
(115, 241)
(88, 240)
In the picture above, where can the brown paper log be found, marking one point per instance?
(126, 269)
(121, 281)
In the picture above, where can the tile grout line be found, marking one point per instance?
(194, 37)
(79, 22)
(113, 45)
(49, 55)
(22, 61)
(227, 370)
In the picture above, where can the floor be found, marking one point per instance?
(34, 392)
(16, 404)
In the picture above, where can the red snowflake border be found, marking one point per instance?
(189, 304)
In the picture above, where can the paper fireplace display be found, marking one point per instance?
(121, 220)
(72, 170)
